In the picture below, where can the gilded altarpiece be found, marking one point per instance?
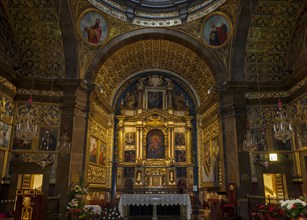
(99, 154)
(154, 135)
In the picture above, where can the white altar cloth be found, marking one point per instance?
(155, 199)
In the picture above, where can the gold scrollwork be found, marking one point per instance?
(99, 175)
(210, 131)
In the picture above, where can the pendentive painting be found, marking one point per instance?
(93, 27)
(155, 148)
(217, 29)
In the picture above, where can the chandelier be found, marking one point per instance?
(26, 129)
(282, 125)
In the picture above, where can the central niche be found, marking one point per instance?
(155, 148)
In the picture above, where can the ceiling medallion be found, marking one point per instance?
(157, 13)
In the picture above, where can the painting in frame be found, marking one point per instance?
(93, 27)
(93, 150)
(155, 144)
(179, 139)
(128, 171)
(217, 30)
(102, 153)
(180, 156)
(5, 134)
(48, 138)
(130, 138)
(19, 144)
(154, 100)
(129, 155)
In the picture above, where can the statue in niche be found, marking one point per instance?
(140, 84)
(130, 100)
(179, 101)
(155, 80)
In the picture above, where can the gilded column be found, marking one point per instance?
(188, 138)
(120, 138)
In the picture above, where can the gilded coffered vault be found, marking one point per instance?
(269, 35)
(38, 36)
(159, 54)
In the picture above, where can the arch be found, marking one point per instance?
(167, 73)
(157, 33)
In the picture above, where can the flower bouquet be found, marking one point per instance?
(110, 213)
(295, 207)
(76, 210)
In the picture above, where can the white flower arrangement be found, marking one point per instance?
(79, 190)
(294, 207)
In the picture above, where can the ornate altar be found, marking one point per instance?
(154, 134)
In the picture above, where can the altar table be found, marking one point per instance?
(156, 199)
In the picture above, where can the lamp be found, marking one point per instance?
(282, 125)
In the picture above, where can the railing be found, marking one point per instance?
(265, 208)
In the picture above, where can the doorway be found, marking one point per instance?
(275, 185)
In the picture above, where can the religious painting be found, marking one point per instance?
(130, 138)
(129, 155)
(102, 154)
(6, 109)
(19, 144)
(180, 156)
(93, 27)
(181, 172)
(179, 139)
(128, 171)
(300, 136)
(155, 144)
(48, 138)
(206, 159)
(217, 29)
(5, 134)
(93, 150)
(154, 100)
